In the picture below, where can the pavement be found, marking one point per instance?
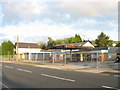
(68, 67)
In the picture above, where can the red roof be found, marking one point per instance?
(27, 45)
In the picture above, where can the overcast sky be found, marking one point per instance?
(36, 20)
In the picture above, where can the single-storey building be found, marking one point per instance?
(21, 48)
(30, 51)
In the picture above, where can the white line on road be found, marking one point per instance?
(24, 70)
(9, 67)
(110, 87)
(116, 75)
(58, 77)
(5, 86)
(106, 74)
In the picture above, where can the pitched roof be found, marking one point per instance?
(27, 45)
(74, 44)
(77, 44)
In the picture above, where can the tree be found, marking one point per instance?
(0, 50)
(42, 46)
(103, 40)
(87, 41)
(67, 40)
(50, 42)
(59, 41)
(118, 45)
(74, 39)
(77, 38)
(7, 48)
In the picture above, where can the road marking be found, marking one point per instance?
(109, 75)
(116, 75)
(5, 86)
(9, 67)
(58, 77)
(110, 87)
(24, 70)
(106, 74)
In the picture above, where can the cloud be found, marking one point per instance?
(40, 32)
(89, 7)
(35, 20)
(15, 10)
(58, 11)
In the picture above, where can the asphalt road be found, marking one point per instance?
(24, 76)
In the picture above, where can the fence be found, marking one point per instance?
(8, 57)
(83, 59)
(69, 57)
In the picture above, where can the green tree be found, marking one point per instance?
(77, 38)
(103, 40)
(87, 41)
(74, 39)
(0, 50)
(42, 46)
(7, 48)
(118, 45)
(59, 41)
(50, 42)
(67, 40)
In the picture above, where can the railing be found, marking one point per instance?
(89, 59)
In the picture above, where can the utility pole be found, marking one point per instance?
(17, 47)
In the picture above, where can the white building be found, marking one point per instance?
(22, 48)
(30, 51)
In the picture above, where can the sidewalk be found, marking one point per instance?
(68, 67)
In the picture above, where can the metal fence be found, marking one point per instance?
(7, 57)
(84, 59)
(70, 57)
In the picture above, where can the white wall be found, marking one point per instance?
(29, 50)
(88, 44)
(100, 51)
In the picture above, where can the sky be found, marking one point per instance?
(36, 20)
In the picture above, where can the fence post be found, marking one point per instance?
(97, 60)
(36, 56)
(70, 54)
(43, 57)
(81, 57)
(53, 58)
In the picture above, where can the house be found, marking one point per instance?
(81, 44)
(21, 48)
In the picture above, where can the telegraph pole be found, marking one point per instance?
(17, 47)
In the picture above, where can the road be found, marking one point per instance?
(24, 76)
